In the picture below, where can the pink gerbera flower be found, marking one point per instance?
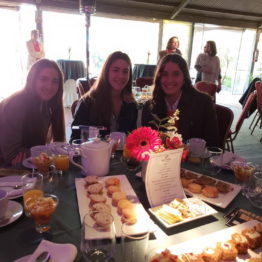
(142, 141)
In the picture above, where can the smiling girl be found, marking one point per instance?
(173, 90)
(109, 102)
(34, 115)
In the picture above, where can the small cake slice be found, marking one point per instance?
(101, 207)
(103, 219)
(129, 216)
(96, 198)
(122, 204)
(229, 251)
(117, 196)
(253, 237)
(96, 188)
(210, 191)
(89, 180)
(240, 243)
(210, 254)
(191, 257)
(112, 181)
(112, 189)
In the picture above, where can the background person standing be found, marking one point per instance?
(34, 48)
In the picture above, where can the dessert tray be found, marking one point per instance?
(181, 211)
(84, 201)
(197, 245)
(223, 199)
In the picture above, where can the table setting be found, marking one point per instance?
(71, 202)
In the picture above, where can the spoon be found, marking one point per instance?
(43, 257)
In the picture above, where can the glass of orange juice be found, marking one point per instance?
(61, 163)
(32, 188)
(41, 209)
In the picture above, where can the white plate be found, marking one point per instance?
(223, 200)
(83, 201)
(198, 244)
(28, 163)
(196, 204)
(12, 193)
(14, 211)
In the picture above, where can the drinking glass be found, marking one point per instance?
(97, 242)
(254, 189)
(213, 160)
(32, 188)
(134, 240)
(41, 209)
(61, 163)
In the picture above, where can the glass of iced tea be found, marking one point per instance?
(32, 187)
(61, 163)
(41, 210)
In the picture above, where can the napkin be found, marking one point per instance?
(10, 184)
(228, 158)
(58, 252)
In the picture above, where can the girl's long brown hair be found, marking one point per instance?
(158, 93)
(32, 126)
(99, 96)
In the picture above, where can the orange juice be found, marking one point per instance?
(61, 162)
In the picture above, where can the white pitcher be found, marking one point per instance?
(95, 157)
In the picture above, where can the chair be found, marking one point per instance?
(207, 87)
(258, 116)
(143, 81)
(232, 135)
(224, 118)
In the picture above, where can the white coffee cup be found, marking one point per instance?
(121, 136)
(3, 203)
(37, 150)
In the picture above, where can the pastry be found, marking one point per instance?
(223, 187)
(189, 175)
(89, 180)
(96, 198)
(210, 191)
(112, 189)
(103, 219)
(194, 188)
(229, 251)
(205, 181)
(165, 256)
(240, 243)
(122, 204)
(191, 257)
(112, 181)
(129, 216)
(253, 237)
(117, 196)
(96, 188)
(210, 254)
(258, 228)
(186, 181)
(101, 207)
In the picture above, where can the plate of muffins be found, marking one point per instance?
(239, 243)
(208, 189)
(113, 195)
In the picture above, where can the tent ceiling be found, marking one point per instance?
(239, 13)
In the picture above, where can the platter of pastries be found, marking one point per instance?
(113, 195)
(241, 243)
(209, 189)
(180, 211)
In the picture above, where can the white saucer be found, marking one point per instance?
(14, 211)
(28, 163)
(12, 193)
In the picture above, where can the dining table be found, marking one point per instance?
(20, 238)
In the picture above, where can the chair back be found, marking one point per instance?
(224, 118)
(206, 87)
(143, 81)
(245, 110)
(258, 87)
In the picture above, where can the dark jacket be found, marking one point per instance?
(197, 118)
(126, 121)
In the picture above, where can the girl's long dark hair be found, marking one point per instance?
(99, 96)
(158, 94)
(33, 133)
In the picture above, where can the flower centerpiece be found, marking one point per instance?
(145, 140)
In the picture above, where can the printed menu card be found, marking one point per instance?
(162, 178)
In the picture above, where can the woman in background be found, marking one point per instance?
(173, 90)
(34, 48)
(109, 102)
(208, 65)
(171, 48)
(34, 115)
